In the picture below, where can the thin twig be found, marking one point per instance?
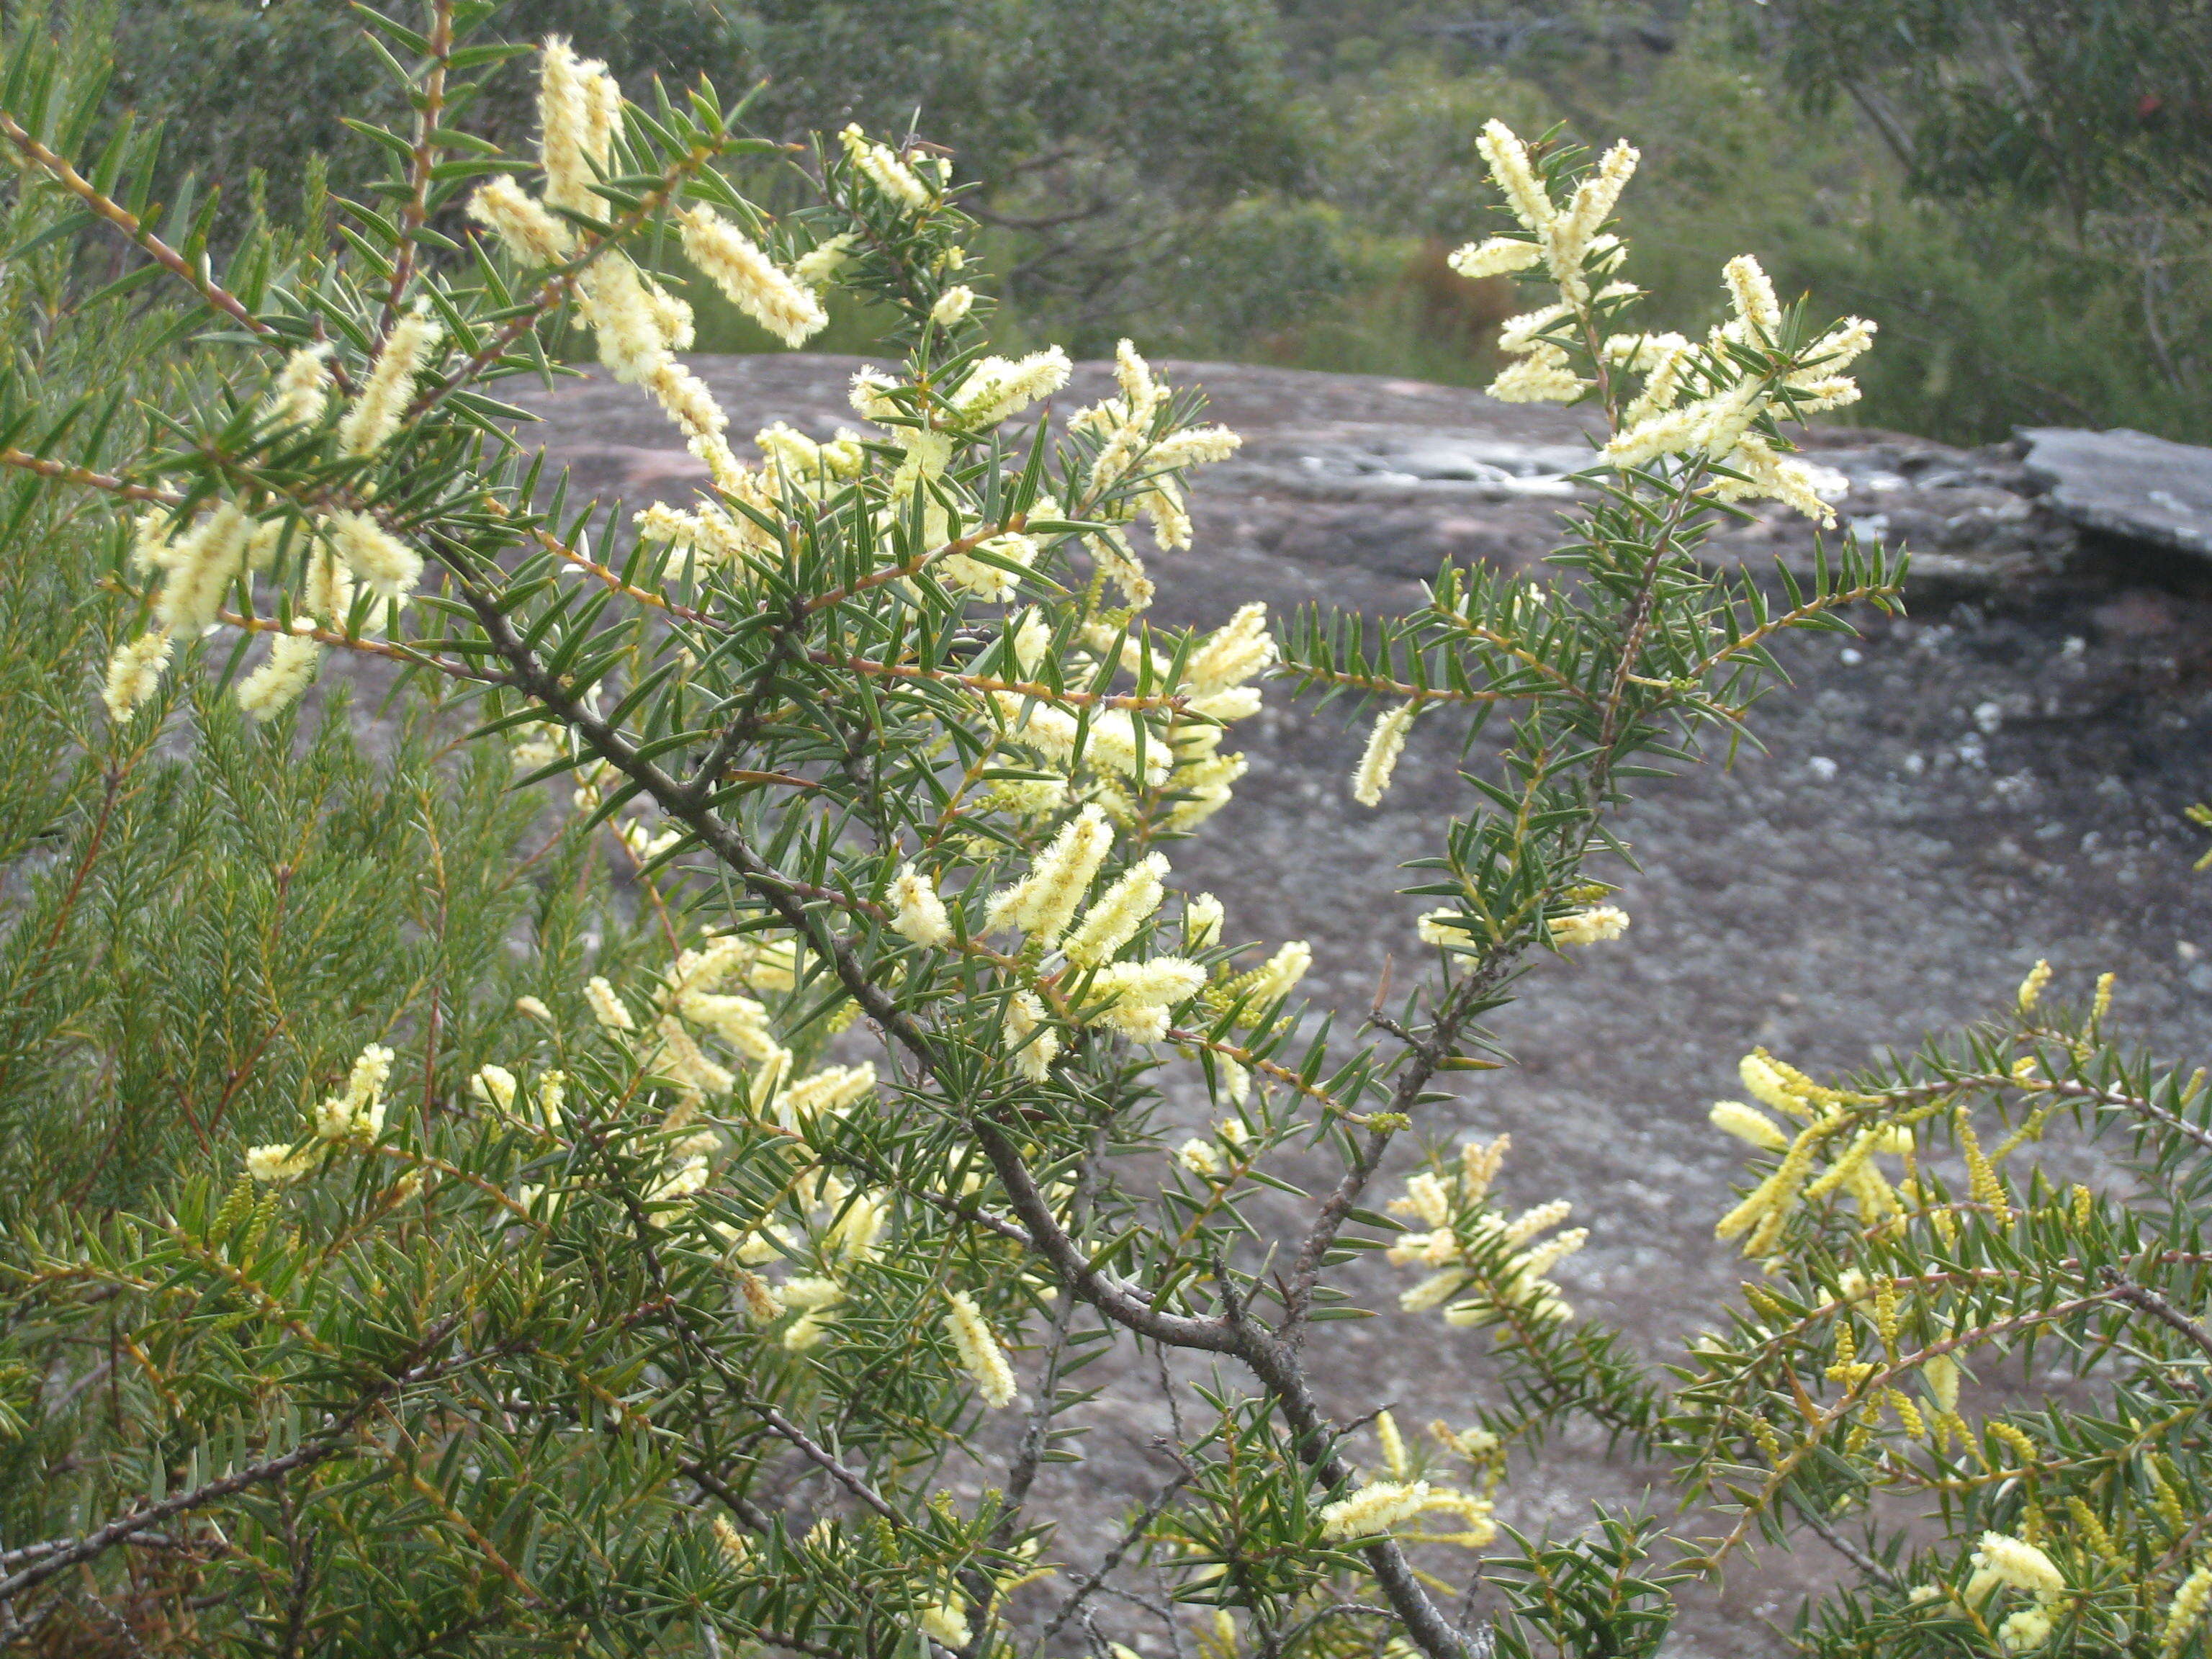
(217, 297)
(423, 159)
(2150, 1302)
(1850, 1552)
(306, 1454)
(86, 476)
(1132, 1535)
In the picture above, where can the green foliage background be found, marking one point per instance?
(1232, 178)
(193, 941)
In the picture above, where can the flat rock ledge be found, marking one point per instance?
(2126, 483)
(1396, 476)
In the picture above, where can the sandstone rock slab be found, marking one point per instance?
(2127, 484)
(1941, 800)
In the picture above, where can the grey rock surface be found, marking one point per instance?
(2127, 484)
(1941, 800)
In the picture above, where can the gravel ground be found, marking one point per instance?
(1941, 801)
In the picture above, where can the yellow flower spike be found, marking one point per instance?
(1374, 1507)
(2186, 1611)
(2032, 987)
(1394, 1444)
(2018, 1440)
(1747, 1123)
(2094, 1533)
(1941, 1374)
(1907, 1413)
(1778, 1191)
(1885, 1312)
(1769, 1086)
(2103, 1004)
(1380, 759)
(735, 1548)
(1846, 1167)
(2016, 1564)
(2168, 1502)
(1982, 1180)
(1770, 1442)
(981, 1355)
(2030, 1128)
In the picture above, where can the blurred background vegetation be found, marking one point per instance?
(2019, 191)
(202, 919)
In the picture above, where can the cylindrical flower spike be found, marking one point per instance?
(1124, 907)
(980, 1356)
(1380, 759)
(375, 416)
(134, 673)
(917, 912)
(752, 281)
(1375, 1507)
(532, 234)
(373, 554)
(278, 682)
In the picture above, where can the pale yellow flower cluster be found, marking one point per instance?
(891, 173)
(998, 388)
(818, 267)
(918, 914)
(1851, 1168)
(1131, 447)
(2003, 1562)
(375, 416)
(579, 118)
(228, 545)
(1375, 1507)
(641, 327)
(1132, 999)
(945, 1623)
(794, 466)
(282, 677)
(379, 559)
(952, 305)
(353, 1118)
(1271, 982)
(532, 233)
(753, 282)
(1700, 403)
(1468, 1278)
(693, 1000)
(1717, 426)
(500, 1089)
(1044, 901)
(1217, 688)
(134, 673)
(1590, 925)
(843, 1231)
(1477, 1528)
(2187, 1609)
(302, 388)
(1108, 742)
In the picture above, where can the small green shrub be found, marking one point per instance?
(663, 1328)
